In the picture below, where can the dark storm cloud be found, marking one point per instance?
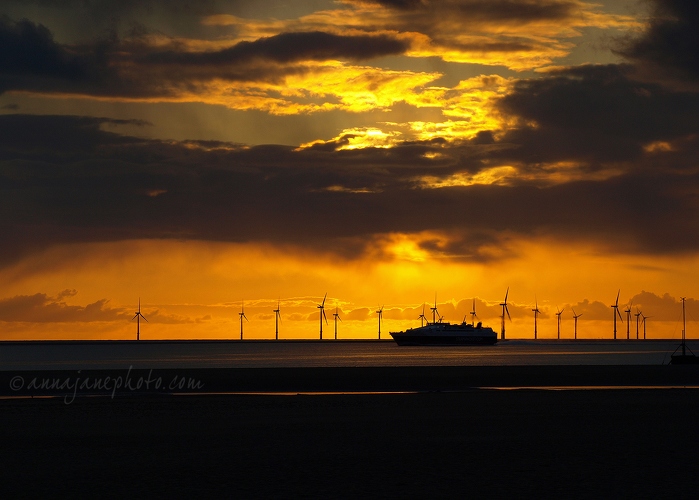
(89, 184)
(28, 50)
(291, 47)
(58, 138)
(595, 113)
(32, 60)
(395, 4)
(80, 20)
(491, 10)
(671, 42)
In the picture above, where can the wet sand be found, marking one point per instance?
(133, 382)
(636, 443)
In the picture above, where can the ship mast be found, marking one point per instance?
(684, 358)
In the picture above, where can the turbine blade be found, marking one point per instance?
(617, 297)
(326, 296)
(508, 313)
(507, 293)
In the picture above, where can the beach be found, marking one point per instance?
(634, 443)
(261, 431)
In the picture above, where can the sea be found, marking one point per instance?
(84, 355)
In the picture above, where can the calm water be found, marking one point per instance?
(235, 354)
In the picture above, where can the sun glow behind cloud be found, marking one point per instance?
(379, 151)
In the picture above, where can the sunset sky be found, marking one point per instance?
(202, 154)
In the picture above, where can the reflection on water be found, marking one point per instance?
(235, 354)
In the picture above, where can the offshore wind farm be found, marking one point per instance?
(437, 319)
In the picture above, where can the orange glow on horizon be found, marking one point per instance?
(195, 290)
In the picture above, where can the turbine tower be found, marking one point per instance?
(277, 320)
(321, 306)
(536, 314)
(505, 310)
(138, 317)
(380, 313)
(473, 313)
(628, 320)
(638, 313)
(422, 316)
(616, 312)
(435, 313)
(242, 315)
(575, 327)
(337, 317)
(558, 321)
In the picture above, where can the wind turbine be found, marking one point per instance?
(277, 320)
(337, 317)
(536, 314)
(242, 315)
(435, 313)
(380, 313)
(504, 310)
(558, 320)
(321, 306)
(616, 312)
(638, 313)
(628, 320)
(575, 317)
(138, 317)
(422, 316)
(473, 313)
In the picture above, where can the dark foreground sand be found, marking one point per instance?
(611, 443)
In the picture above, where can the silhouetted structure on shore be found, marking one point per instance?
(138, 317)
